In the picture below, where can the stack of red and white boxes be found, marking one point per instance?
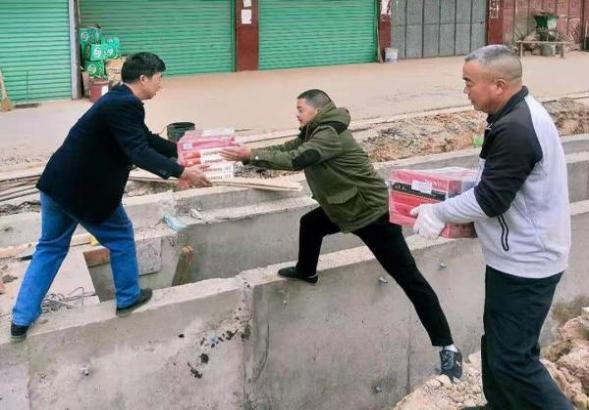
(200, 147)
(410, 188)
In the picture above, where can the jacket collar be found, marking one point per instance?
(124, 89)
(511, 104)
(320, 119)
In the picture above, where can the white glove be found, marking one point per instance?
(428, 224)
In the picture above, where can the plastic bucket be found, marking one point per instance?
(176, 130)
(391, 55)
(98, 87)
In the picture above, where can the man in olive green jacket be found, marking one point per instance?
(352, 198)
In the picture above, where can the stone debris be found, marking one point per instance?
(567, 360)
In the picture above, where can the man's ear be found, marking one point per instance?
(501, 83)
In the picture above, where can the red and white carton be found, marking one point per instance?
(201, 147)
(410, 188)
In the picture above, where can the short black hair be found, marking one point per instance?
(139, 64)
(316, 98)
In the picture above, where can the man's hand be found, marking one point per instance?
(194, 176)
(428, 224)
(239, 153)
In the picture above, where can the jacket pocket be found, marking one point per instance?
(345, 205)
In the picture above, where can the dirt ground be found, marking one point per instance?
(450, 132)
(445, 132)
(567, 360)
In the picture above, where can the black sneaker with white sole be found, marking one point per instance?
(18, 333)
(451, 364)
(292, 273)
(144, 296)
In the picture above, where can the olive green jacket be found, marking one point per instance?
(337, 169)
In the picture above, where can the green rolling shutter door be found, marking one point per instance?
(306, 33)
(35, 52)
(191, 36)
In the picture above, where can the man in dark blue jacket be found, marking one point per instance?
(84, 182)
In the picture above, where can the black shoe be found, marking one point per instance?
(144, 296)
(18, 333)
(292, 273)
(451, 364)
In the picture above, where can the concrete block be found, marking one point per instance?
(578, 176)
(152, 359)
(157, 253)
(238, 229)
(14, 375)
(350, 321)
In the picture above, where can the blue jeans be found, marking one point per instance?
(57, 227)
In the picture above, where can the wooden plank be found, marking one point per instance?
(273, 184)
(264, 184)
(21, 174)
(17, 250)
(16, 190)
(27, 192)
(96, 257)
(183, 269)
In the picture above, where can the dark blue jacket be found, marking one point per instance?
(88, 173)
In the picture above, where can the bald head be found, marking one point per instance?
(499, 63)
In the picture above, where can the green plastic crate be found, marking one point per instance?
(95, 68)
(112, 47)
(95, 52)
(90, 35)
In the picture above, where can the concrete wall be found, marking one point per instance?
(146, 212)
(248, 233)
(256, 341)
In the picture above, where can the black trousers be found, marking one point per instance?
(513, 376)
(388, 245)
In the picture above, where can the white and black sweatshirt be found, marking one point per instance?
(520, 204)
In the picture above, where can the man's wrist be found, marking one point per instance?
(439, 211)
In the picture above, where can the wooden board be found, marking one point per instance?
(274, 184)
(32, 173)
(17, 250)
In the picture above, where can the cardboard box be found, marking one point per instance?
(196, 149)
(411, 188)
(113, 70)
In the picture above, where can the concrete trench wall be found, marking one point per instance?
(146, 211)
(266, 233)
(255, 341)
